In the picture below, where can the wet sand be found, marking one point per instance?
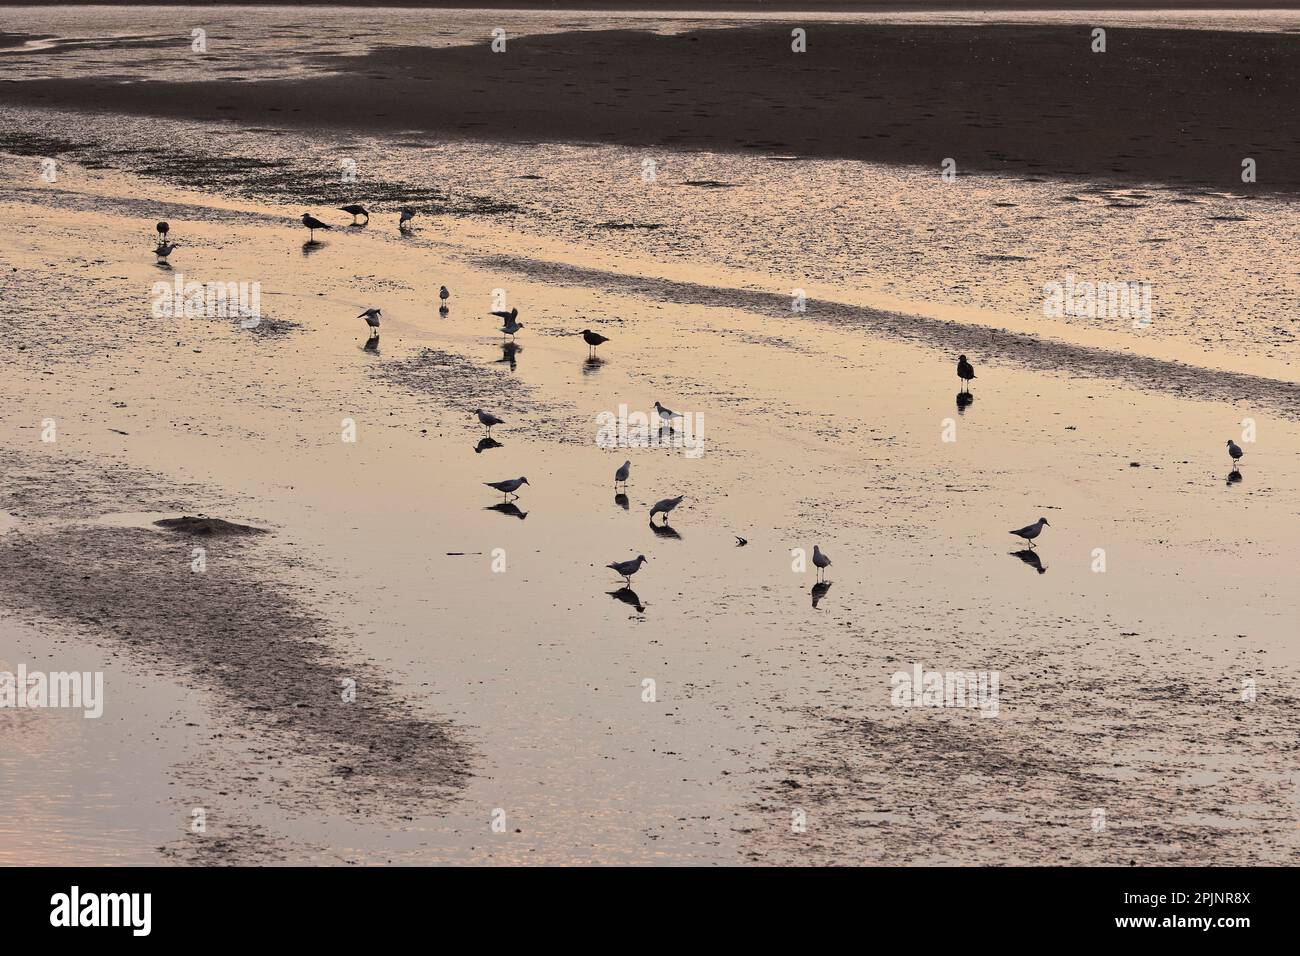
(1121, 690)
(1174, 106)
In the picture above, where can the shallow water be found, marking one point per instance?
(771, 694)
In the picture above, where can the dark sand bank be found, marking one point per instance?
(1161, 105)
(1027, 351)
(236, 630)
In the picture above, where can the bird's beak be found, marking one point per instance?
(1048, 523)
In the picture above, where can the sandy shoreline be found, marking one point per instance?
(1122, 690)
(1180, 107)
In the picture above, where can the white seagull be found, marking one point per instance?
(1032, 531)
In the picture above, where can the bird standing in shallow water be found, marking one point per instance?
(407, 215)
(511, 327)
(312, 224)
(1235, 451)
(372, 319)
(487, 419)
(665, 506)
(165, 249)
(163, 228)
(1032, 531)
(965, 371)
(820, 561)
(628, 568)
(357, 210)
(621, 476)
(444, 295)
(592, 339)
(507, 487)
(666, 414)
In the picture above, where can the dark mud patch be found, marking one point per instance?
(992, 344)
(236, 630)
(204, 526)
(456, 382)
(1161, 742)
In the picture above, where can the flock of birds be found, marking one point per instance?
(509, 487)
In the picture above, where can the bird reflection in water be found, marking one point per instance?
(592, 365)
(664, 531)
(313, 245)
(1234, 476)
(508, 508)
(372, 344)
(620, 499)
(964, 399)
(1030, 558)
(508, 352)
(819, 591)
(485, 443)
(627, 596)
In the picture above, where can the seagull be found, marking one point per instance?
(507, 487)
(407, 215)
(965, 371)
(1031, 532)
(444, 294)
(312, 224)
(620, 476)
(165, 249)
(511, 327)
(592, 339)
(357, 210)
(372, 318)
(820, 560)
(488, 419)
(163, 228)
(667, 505)
(1235, 451)
(628, 568)
(666, 414)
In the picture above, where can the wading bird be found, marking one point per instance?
(487, 419)
(163, 228)
(164, 249)
(820, 560)
(620, 476)
(507, 487)
(312, 224)
(407, 215)
(592, 339)
(1032, 531)
(628, 568)
(511, 327)
(357, 210)
(665, 506)
(372, 318)
(1235, 451)
(965, 371)
(666, 414)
